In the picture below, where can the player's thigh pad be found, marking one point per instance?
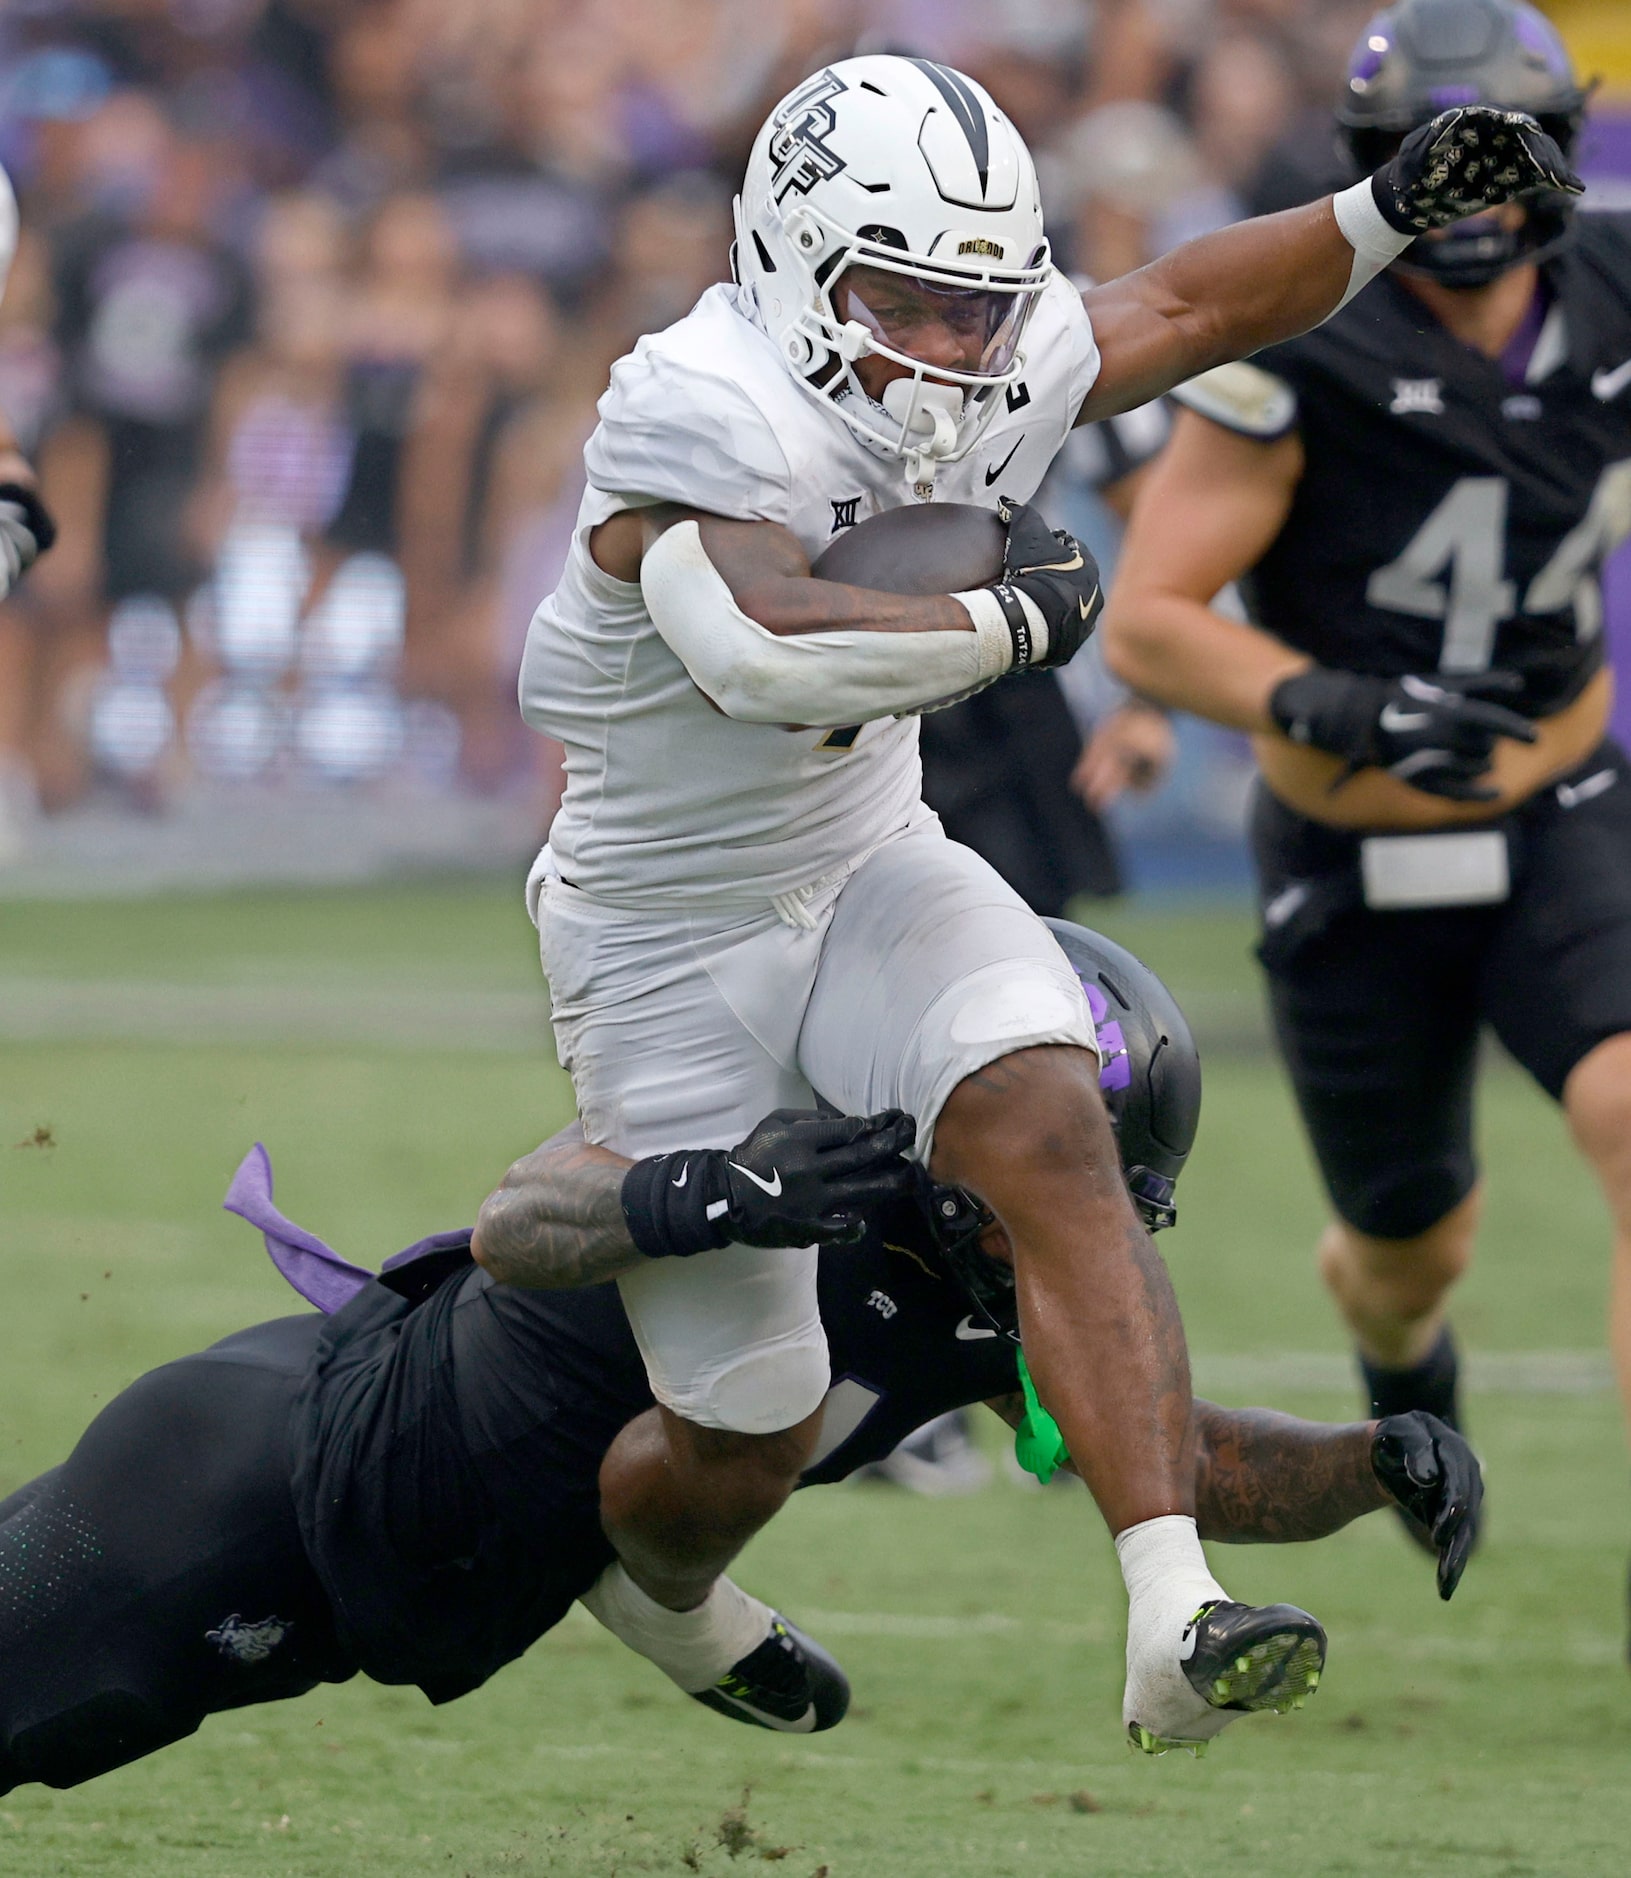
(682, 1033)
(933, 967)
(1557, 979)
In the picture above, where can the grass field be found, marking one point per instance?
(388, 1049)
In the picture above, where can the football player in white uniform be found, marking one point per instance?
(744, 899)
(26, 529)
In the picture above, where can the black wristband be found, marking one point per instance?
(1019, 625)
(676, 1205)
(35, 514)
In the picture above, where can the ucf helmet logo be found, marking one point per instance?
(799, 156)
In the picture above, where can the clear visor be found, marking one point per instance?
(973, 332)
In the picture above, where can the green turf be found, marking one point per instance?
(1489, 1737)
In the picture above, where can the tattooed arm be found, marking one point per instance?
(1266, 1479)
(555, 1222)
(1271, 1479)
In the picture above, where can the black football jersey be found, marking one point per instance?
(447, 1449)
(1449, 519)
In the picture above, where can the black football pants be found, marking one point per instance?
(158, 1575)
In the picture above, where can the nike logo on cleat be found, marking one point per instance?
(773, 1186)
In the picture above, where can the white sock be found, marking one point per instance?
(1168, 1580)
(692, 1648)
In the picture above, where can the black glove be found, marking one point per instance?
(799, 1179)
(26, 531)
(1437, 734)
(1055, 572)
(1434, 1476)
(1468, 159)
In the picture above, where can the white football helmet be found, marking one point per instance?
(901, 167)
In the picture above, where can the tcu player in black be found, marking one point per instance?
(408, 1485)
(1417, 499)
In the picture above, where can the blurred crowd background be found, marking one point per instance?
(315, 299)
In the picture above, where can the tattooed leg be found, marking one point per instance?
(1029, 1134)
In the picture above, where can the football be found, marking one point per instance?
(944, 547)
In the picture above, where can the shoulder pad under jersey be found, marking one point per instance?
(1243, 398)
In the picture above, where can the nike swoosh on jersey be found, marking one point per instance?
(1607, 385)
(685, 1175)
(1394, 717)
(991, 475)
(970, 1332)
(772, 1187)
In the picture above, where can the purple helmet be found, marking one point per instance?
(1426, 56)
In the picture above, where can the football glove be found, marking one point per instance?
(1058, 576)
(1432, 1473)
(1438, 734)
(1474, 157)
(799, 1179)
(26, 532)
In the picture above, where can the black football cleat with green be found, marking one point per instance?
(789, 1683)
(1254, 1656)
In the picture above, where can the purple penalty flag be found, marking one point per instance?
(315, 1270)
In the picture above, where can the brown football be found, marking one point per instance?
(933, 547)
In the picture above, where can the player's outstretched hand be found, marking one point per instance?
(1438, 734)
(26, 532)
(800, 1178)
(1435, 1477)
(1465, 160)
(1058, 576)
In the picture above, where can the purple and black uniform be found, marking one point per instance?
(406, 1487)
(1453, 515)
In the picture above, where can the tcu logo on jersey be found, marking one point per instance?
(799, 157)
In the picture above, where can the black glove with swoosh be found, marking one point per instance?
(1434, 1477)
(1438, 734)
(1060, 578)
(799, 1179)
(1465, 160)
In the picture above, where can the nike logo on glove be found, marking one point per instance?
(773, 1186)
(970, 1332)
(1394, 717)
(991, 475)
(1607, 385)
(1086, 606)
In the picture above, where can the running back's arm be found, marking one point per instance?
(555, 1222)
(1208, 509)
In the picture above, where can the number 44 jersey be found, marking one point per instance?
(1454, 510)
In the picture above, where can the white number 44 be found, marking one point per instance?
(1454, 567)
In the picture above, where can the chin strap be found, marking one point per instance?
(1039, 1447)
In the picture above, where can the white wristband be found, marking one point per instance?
(995, 635)
(1376, 243)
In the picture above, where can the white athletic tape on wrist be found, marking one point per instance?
(820, 679)
(991, 630)
(691, 1648)
(1168, 1580)
(1376, 243)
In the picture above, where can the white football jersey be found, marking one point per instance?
(667, 801)
(8, 229)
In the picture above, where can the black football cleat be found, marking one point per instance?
(788, 1683)
(1245, 1658)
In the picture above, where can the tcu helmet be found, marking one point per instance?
(1150, 1075)
(1427, 56)
(907, 168)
